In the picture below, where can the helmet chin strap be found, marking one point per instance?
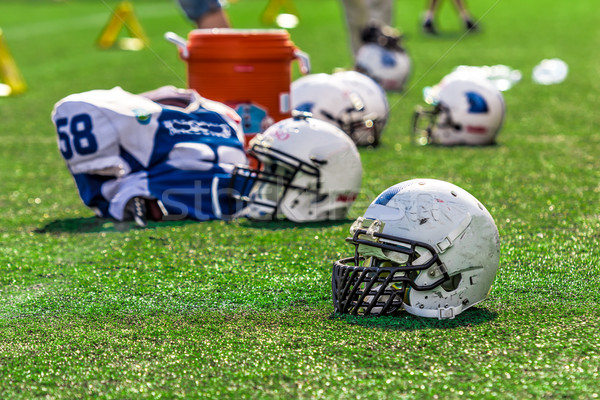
(448, 241)
(439, 313)
(442, 246)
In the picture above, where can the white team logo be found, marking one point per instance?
(192, 127)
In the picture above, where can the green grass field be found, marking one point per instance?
(94, 309)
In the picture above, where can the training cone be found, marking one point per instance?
(11, 81)
(123, 16)
(275, 9)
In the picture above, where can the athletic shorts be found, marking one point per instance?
(194, 9)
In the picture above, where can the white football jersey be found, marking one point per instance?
(120, 145)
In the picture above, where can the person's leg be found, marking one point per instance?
(381, 11)
(431, 8)
(213, 19)
(205, 14)
(357, 18)
(460, 6)
(464, 15)
(428, 26)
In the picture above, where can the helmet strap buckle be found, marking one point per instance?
(448, 241)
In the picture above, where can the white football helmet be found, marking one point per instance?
(423, 245)
(308, 170)
(467, 111)
(382, 56)
(348, 99)
(389, 67)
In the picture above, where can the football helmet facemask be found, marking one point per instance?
(307, 170)
(423, 245)
(465, 112)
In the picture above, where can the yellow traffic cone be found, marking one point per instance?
(123, 15)
(274, 8)
(9, 72)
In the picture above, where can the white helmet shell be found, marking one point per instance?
(309, 170)
(348, 99)
(424, 245)
(469, 111)
(388, 67)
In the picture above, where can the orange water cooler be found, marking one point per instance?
(247, 69)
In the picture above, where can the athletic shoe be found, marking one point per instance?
(429, 28)
(471, 26)
(136, 210)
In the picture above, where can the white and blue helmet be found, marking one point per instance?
(389, 67)
(425, 246)
(305, 170)
(348, 99)
(467, 110)
(382, 57)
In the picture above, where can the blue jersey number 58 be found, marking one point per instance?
(83, 140)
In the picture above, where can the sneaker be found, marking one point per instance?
(429, 28)
(136, 210)
(383, 35)
(471, 26)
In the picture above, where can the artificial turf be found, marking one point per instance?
(95, 308)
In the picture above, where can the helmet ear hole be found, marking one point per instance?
(452, 284)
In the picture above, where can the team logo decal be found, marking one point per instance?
(305, 107)
(142, 116)
(255, 119)
(347, 197)
(282, 135)
(476, 129)
(201, 128)
(477, 103)
(387, 59)
(386, 196)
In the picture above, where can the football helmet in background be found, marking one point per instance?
(348, 99)
(466, 111)
(308, 170)
(383, 58)
(423, 245)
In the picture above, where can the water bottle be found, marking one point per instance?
(550, 71)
